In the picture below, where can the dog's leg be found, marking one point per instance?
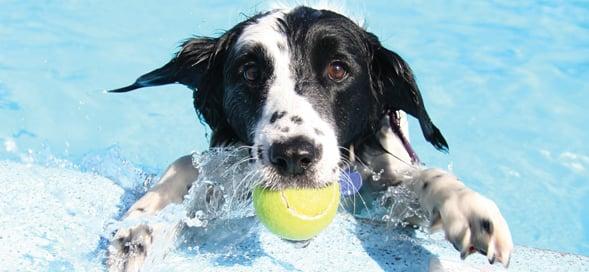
(129, 247)
(470, 221)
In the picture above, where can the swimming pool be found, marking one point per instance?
(506, 82)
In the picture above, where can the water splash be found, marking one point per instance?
(217, 214)
(401, 207)
(223, 189)
(376, 175)
(398, 205)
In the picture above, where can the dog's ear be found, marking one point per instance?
(397, 89)
(187, 67)
(199, 66)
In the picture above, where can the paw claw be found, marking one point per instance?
(491, 252)
(474, 224)
(492, 260)
(508, 261)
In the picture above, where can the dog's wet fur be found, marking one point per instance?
(307, 89)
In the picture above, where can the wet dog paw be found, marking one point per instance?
(128, 248)
(473, 223)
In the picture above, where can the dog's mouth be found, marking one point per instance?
(278, 182)
(395, 123)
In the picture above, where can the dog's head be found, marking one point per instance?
(297, 86)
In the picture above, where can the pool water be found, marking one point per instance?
(505, 81)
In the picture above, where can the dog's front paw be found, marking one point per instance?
(129, 248)
(473, 223)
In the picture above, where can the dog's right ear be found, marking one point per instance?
(199, 66)
(187, 67)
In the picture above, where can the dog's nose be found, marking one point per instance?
(294, 156)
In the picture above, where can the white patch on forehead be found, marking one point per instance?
(265, 31)
(297, 115)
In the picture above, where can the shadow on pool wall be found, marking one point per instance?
(505, 82)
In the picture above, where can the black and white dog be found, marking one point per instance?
(306, 89)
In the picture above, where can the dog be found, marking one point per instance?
(305, 89)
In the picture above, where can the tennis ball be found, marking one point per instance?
(297, 214)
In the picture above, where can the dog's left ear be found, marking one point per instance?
(397, 89)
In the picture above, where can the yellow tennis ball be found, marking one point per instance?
(297, 214)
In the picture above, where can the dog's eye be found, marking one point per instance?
(337, 71)
(251, 72)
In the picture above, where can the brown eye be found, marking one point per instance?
(251, 72)
(336, 71)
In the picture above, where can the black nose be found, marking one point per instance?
(294, 156)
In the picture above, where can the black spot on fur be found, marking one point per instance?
(318, 132)
(425, 185)
(126, 250)
(141, 209)
(487, 226)
(296, 119)
(281, 46)
(276, 115)
(260, 152)
(139, 248)
(251, 152)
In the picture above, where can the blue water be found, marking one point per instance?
(505, 81)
